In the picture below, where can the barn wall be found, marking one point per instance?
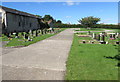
(19, 23)
(3, 21)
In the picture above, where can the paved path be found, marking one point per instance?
(44, 60)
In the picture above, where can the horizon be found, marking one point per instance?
(70, 12)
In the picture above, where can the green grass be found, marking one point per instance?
(87, 62)
(96, 29)
(92, 29)
(21, 42)
(115, 30)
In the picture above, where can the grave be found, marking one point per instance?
(117, 42)
(102, 42)
(84, 41)
(98, 37)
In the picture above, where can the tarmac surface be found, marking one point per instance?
(44, 60)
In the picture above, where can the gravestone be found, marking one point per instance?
(84, 42)
(16, 35)
(102, 42)
(22, 34)
(95, 36)
(92, 42)
(103, 37)
(36, 33)
(117, 42)
(110, 35)
(98, 37)
(117, 35)
(114, 36)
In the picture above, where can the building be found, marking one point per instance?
(0, 23)
(18, 21)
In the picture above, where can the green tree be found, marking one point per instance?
(89, 21)
(39, 16)
(47, 18)
(59, 21)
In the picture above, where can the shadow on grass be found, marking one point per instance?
(116, 57)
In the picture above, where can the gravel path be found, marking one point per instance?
(44, 60)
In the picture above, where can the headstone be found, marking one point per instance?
(22, 34)
(110, 35)
(103, 37)
(114, 36)
(93, 35)
(16, 35)
(26, 36)
(84, 42)
(117, 42)
(36, 33)
(102, 42)
(117, 35)
(92, 42)
(98, 37)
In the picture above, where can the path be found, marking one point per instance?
(44, 60)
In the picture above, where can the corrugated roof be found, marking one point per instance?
(10, 10)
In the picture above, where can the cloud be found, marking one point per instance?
(70, 3)
(68, 16)
(59, 1)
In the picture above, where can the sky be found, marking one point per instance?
(70, 12)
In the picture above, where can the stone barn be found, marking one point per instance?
(0, 23)
(18, 21)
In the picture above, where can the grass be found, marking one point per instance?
(92, 29)
(96, 29)
(87, 62)
(21, 42)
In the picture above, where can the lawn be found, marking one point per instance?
(92, 29)
(88, 61)
(21, 42)
(96, 29)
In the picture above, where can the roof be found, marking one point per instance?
(10, 10)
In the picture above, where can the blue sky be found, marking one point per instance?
(70, 12)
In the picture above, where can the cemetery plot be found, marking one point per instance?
(99, 38)
(93, 56)
(25, 39)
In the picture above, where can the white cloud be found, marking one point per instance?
(59, 1)
(68, 16)
(70, 3)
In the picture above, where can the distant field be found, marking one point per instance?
(88, 61)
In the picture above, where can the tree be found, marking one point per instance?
(89, 21)
(59, 21)
(47, 18)
(39, 16)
